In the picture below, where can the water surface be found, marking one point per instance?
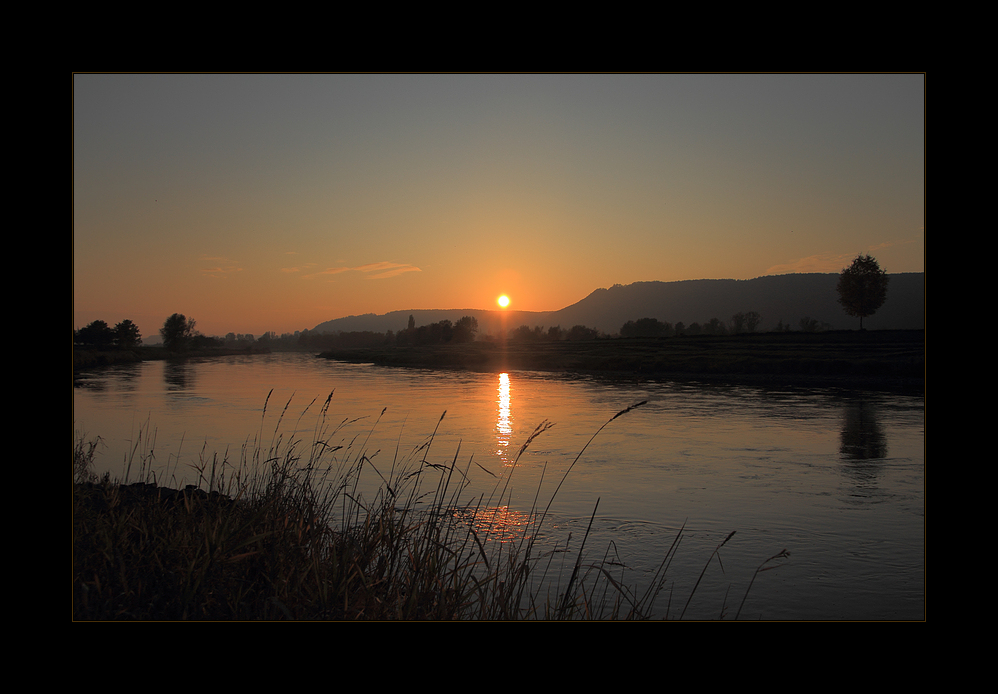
(834, 476)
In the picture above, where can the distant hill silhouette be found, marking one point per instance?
(786, 298)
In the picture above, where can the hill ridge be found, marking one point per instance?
(783, 298)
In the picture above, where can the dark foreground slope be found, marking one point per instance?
(888, 357)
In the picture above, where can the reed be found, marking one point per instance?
(284, 532)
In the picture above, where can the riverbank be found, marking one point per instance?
(888, 358)
(90, 358)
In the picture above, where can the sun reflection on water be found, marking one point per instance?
(497, 523)
(504, 419)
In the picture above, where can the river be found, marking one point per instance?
(836, 477)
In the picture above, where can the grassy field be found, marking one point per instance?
(284, 535)
(855, 357)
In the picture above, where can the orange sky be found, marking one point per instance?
(276, 202)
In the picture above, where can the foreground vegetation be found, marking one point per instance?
(285, 534)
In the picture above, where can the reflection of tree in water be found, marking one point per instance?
(862, 436)
(121, 377)
(863, 443)
(127, 376)
(178, 375)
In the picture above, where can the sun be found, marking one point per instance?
(503, 301)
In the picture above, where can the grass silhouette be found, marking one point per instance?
(284, 533)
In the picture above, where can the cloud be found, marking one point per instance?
(382, 270)
(298, 268)
(224, 267)
(830, 262)
(327, 271)
(390, 270)
(902, 242)
(826, 262)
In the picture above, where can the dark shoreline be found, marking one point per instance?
(90, 358)
(878, 359)
(893, 359)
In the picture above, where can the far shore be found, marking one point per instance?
(888, 358)
(91, 358)
(892, 359)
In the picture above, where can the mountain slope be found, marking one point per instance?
(786, 298)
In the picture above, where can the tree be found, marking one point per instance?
(581, 332)
(465, 329)
(127, 335)
(96, 334)
(714, 327)
(809, 325)
(646, 327)
(862, 288)
(745, 322)
(527, 334)
(177, 332)
(738, 323)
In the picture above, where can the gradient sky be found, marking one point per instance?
(275, 202)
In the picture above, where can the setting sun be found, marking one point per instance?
(503, 301)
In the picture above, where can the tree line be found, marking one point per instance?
(99, 335)
(178, 332)
(652, 327)
(443, 332)
(525, 333)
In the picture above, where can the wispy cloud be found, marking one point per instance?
(381, 270)
(826, 262)
(221, 267)
(385, 270)
(830, 262)
(298, 268)
(327, 271)
(902, 242)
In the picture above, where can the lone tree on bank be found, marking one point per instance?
(177, 332)
(863, 288)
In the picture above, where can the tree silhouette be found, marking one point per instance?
(581, 332)
(465, 329)
(646, 327)
(127, 334)
(738, 323)
(177, 332)
(96, 334)
(863, 287)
